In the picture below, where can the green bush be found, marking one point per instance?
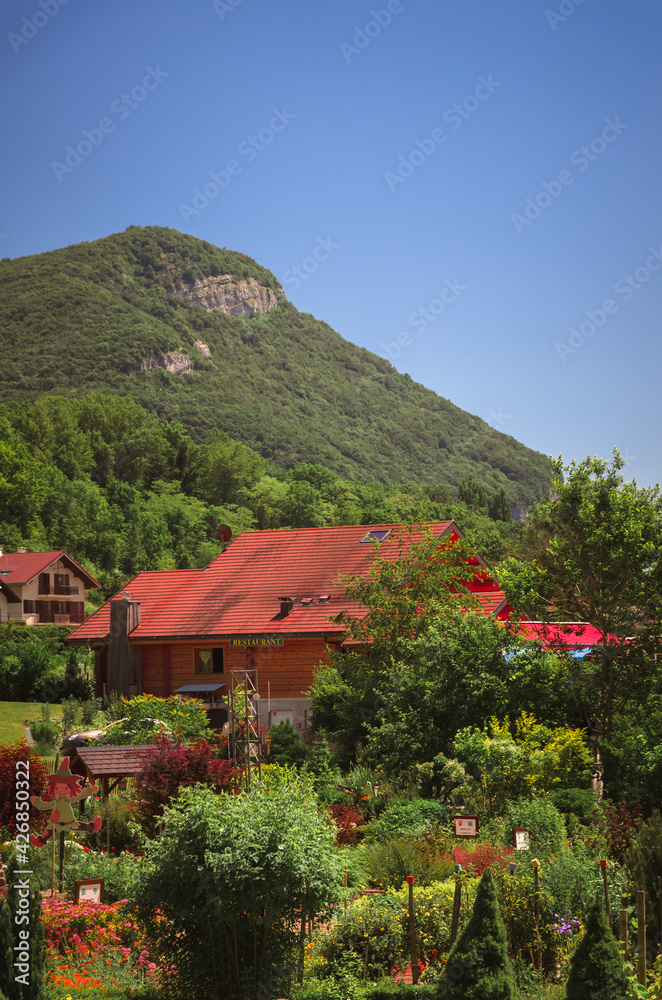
(644, 862)
(426, 858)
(119, 874)
(380, 922)
(542, 819)
(478, 967)
(45, 732)
(232, 873)
(576, 802)
(596, 966)
(118, 812)
(285, 746)
(410, 817)
(349, 988)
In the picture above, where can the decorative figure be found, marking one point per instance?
(63, 789)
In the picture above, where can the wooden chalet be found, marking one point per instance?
(265, 603)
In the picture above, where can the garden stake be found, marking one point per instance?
(302, 939)
(624, 934)
(456, 903)
(603, 865)
(536, 888)
(412, 932)
(61, 857)
(641, 937)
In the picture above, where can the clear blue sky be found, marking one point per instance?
(361, 95)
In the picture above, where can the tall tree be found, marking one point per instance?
(597, 559)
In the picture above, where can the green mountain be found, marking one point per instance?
(205, 336)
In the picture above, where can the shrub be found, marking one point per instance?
(381, 923)
(426, 858)
(285, 746)
(119, 874)
(349, 988)
(35, 988)
(476, 860)
(45, 732)
(574, 802)
(596, 966)
(348, 820)
(248, 866)
(644, 862)
(11, 782)
(478, 967)
(543, 821)
(118, 814)
(184, 720)
(168, 768)
(402, 818)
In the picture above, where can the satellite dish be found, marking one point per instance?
(224, 533)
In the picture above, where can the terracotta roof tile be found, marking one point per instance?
(25, 566)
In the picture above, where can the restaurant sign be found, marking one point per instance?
(258, 640)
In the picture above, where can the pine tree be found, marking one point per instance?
(596, 968)
(35, 989)
(478, 967)
(6, 946)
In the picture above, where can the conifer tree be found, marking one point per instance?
(478, 967)
(35, 989)
(6, 946)
(596, 968)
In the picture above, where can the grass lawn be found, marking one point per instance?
(14, 714)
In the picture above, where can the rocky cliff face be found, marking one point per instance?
(236, 298)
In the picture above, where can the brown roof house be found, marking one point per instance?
(43, 588)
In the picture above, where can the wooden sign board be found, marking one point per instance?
(89, 890)
(466, 826)
(258, 640)
(521, 838)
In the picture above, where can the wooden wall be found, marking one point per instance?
(288, 668)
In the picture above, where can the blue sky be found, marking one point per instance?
(479, 179)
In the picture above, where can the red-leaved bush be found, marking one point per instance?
(13, 785)
(347, 819)
(169, 767)
(475, 860)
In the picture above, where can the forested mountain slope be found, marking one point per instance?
(205, 336)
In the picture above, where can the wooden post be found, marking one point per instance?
(61, 857)
(603, 865)
(456, 903)
(412, 931)
(623, 935)
(536, 912)
(302, 944)
(641, 937)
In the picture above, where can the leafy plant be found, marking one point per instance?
(249, 865)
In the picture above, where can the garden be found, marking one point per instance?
(470, 815)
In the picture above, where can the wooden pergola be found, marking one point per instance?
(106, 763)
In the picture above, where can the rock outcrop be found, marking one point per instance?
(228, 295)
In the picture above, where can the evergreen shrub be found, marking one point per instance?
(597, 971)
(478, 967)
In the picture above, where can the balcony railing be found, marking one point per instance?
(64, 590)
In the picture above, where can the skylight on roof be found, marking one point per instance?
(377, 536)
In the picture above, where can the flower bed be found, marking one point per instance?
(92, 946)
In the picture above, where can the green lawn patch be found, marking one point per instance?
(13, 716)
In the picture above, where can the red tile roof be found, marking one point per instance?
(25, 566)
(574, 635)
(238, 593)
(152, 589)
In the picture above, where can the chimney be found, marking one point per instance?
(286, 605)
(21, 551)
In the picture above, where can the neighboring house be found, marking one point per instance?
(265, 603)
(42, 588)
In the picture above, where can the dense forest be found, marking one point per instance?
(94, 316)
(122, 491)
